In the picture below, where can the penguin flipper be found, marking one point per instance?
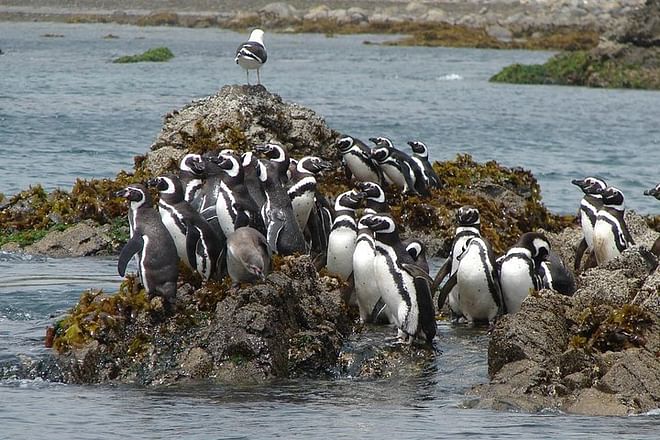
(426, 309)
(192, 239)
(582, 246)
(378, 313)
(132, 247)
(444, 292)
(275, 225)
(417, 272)
(442, 273)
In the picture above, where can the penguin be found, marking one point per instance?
(479, 293)
(374, 197)
(367, 293)
(278, 160)
(405, 288)
(356, 157)
(520, 269)
(248, 255)
(282, 231)
(421, 157)
(206, 197)
(234, 205)
(157, 258)
(468, 222)
(319, 226)
(611, 235)
(303, 187)
(197, 244)
(591, 202)
(191, 174)
(252, 54)
(398, 168)
(417, 251)
(343, 235)
(556, 276)
(249, 162)
(655, 192)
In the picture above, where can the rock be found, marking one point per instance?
(320, 12)
(240, 117)
(435, 15)
(499, 32)
(82, 240)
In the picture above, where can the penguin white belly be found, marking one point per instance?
(302, 206)
(366, 288)
(177, 235)
(341, 247)
(409, 315)
(360, 169)
(474, 297)
(452, 298)
(390, 289)
(142, 271)
(604, 242)
(224, 206)
(395, 176)
(516, 282)
(587, 230)
(203, 260)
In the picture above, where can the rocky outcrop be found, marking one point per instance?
(595, 353)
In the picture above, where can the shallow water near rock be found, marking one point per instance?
(67, 112)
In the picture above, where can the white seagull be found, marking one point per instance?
(252, 54)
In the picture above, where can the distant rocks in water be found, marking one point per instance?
(158, 54)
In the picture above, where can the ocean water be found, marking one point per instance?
(66, 111)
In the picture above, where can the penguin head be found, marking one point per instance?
(348, 200)
(416, 249)
(313, 164)
(655, 192)
(379, 154)
(344, 144)
(382, 142)
(371, 191)
(274, 152)
(381, 223)
(168, 184)
(468, 216)
(613, 198)
(228, 163)
(419, 148)
(192, 163)
(590, 185)
(137, 194)
(537, 244)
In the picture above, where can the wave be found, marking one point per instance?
(450, 77)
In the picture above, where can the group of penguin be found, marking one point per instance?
(226, 213)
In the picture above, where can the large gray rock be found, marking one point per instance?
(84, 239)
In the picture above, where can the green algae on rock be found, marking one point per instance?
(157, 54)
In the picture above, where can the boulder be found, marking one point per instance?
(84, 239)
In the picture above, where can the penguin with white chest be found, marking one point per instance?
(303, 187)
(405, 288)
(590, 204)
(343, 235)
(157, 258)
(197, 243)
(398, 168)
(356, 157)
(421, 157)
(611, 235)
(468, 223)
(191, 174)
(520, 269)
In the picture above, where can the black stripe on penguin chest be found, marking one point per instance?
(176, 217)
(395, 271)
(617, 230)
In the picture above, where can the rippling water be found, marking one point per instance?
(67, 112)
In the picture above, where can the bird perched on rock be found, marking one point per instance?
(592, 187)
(251, 55)
(248, 255)
(611, 234)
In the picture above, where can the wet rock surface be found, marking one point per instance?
(596, 353)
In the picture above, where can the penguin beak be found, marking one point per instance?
(262, 148)
(655, 192)
(152, 182)
(123, 193)
(578, 182)
(374, 140)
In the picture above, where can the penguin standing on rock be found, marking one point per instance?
(398, 168)
(520, 269)
(468, 222)
(374, 197)
(341, 243)
(405, 288)
(191, 174)
(611, 234)
(556, 276)
(303, 187)
(248, 255)
(655, 192)
(157, 258)
(197, 244)
(421, 157)
(591, 202)
(356, 157)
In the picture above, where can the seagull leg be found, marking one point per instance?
(258, 78)
(247, 74)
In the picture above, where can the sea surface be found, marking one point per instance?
(66, 112)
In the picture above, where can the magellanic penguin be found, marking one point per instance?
(341, 243)
(479, 293)
(197, 244)
(248, 255)
(421, 157)
(250, 178)
(468, 225)
(302, 190)
(520, 269)
(282, 231)
(417, 251)
(611, 235)
(251, 55)
(374, 197)
(556, 275)
(191, 174)
(591, 202)
(655, 192)
(405, 288)
(398, 168)
(157, 258)
(356, 157)
(234, 205)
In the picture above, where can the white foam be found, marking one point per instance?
(450, 77)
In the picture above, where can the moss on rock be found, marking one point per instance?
(157, 54)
